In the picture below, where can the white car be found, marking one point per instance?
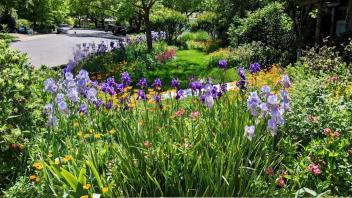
(63, 28)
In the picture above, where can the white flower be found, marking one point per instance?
(249, 132)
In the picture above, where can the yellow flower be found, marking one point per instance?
(37, 180)
(50, 155)
(129, 87)
(105, 190)
(32, 177)
(125, 95)
(38, 166)
(57, 161)
(76, 124)
(84, 196)
(80, 134)
(112, 131)
(98, 135)
(87, 186)
(67, 158)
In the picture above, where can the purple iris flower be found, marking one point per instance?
(92, 95)
(108, 105)
(249, 132)
(254, 68)
(242, 84)
(157, 84)
(141, 95)
(105, 87)
(157, 98)
(273, 100)
(223, 87)
(264, 109)
(62, 106)
(72, 95)
(241, 73)
(222, 64)
(119, 88)
(265, 91)
(253, 103)
(83, 109)
(50, 85)
(196, 85)
(179, 94)
(111, 81)
(286, 81)
(143, 83)
(98, 103)
(175, 83)
(126, 79)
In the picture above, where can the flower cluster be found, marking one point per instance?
(167, 55)
(269, 106)
(208, 92)
(242, 83)
(86, 50)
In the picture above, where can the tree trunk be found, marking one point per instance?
(148, 30)
(103, 23)
(319, 21)
(349, 16)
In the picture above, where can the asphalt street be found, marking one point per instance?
(57, 49)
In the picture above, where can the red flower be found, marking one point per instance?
(281, 182)
(270, 171)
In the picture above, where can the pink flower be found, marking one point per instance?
(194, 115)
(280, 181)
(337, 134)
(180, 113)
(147, 144)
(269, 171)
(314, 169)
(327, 131)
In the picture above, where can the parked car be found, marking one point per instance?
(116, 30)
(63, 28)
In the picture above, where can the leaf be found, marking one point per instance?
(82, 175)
(95, 173)
(70, 179)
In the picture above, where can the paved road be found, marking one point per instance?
(57, 49)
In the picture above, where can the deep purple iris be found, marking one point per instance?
(241, 73)
(254, 68)
(179, 94)
(157, 98)
(108, 105)
(175, 83)
(141, 95)
(222, 64)
(83, 109)
(143, 83)
(157, 84)
(126, 79)
(196, 85)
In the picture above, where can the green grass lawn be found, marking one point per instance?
(186, 64)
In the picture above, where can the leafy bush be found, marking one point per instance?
(23, 23)
(21, 111)
(170, 21)
(6, 37)
(270, 25)
(206, 22)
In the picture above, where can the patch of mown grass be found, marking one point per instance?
(190, 63)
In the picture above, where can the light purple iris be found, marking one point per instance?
(50, 85)
(253, 103)
(62, 106)
(73, 95)
(265, 91)
(249, 132)
(241, 73)
(286, 81)
(157, 98)
(98, 103)
(92, 95)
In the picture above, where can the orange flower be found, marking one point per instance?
(87, 186)
(32, 177)
(147, 144)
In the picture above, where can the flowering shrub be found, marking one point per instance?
(103, 133)
(167, 55)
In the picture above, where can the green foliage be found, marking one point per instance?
(205, 21)
(6, 38)
(23, 23)
(21, 111)
(270, 25)
(170, 21)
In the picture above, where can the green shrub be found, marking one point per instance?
(21, 103)
(170, 21)
(24, 23)
(270, 25)
(206, 22)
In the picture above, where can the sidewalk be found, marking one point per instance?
(26, 37)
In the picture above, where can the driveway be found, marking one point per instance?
(57, 49)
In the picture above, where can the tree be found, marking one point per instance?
(185, 6)
(143, 8)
